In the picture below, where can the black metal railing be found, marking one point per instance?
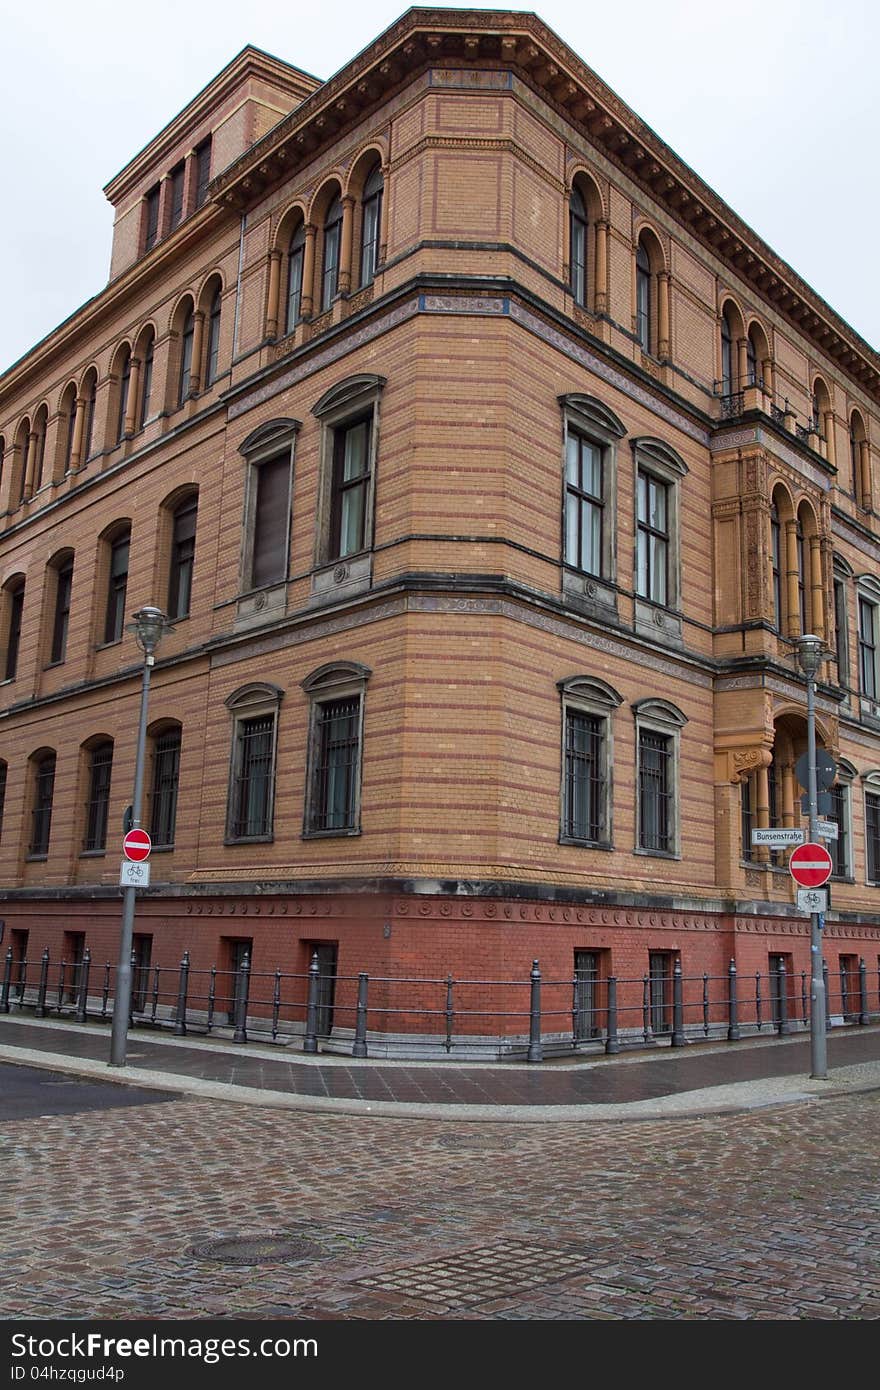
(530, 1017)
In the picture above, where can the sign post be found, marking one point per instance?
(810, 865)
(810, 651)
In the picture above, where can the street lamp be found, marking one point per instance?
(149, 626)
(810, 652)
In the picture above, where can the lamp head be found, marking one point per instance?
(810, 650)
(149, 627)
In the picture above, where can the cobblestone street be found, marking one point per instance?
(769, 1214)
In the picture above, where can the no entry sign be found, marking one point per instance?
(137, 845)
(810, 865)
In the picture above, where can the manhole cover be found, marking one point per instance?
(256, 1250)
(475, 1141)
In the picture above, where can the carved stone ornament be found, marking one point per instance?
(746, 760)
(340, 573)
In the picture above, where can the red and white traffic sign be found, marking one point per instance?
(137, 845)
(810, 865)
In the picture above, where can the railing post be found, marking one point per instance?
(536, 1051)
(276, 1003)
(448, 1013)
(83, 999)
(242, 992)
(647, 1031)
(863, 991)
(678, 1038)
(783, 1026)
(310, 1043)
(7, 981)
(844, 994)
(827, 997)
(182, 989)
(733, 1032)
(62, 973)
(612, 1041)
(360, 1018)
(212, 997)
(44, 981)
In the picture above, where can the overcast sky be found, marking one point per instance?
(775, 103)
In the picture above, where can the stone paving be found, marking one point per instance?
(769, 1214)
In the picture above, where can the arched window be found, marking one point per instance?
(776, 564)
(12, 618)
(295, 257)
(186, 351)
(147, 378)
(67, 427)
(577, 220)
(41, 420)
(90, 392)
(643, 298)
(100, 771)
(124, 368)
(117, 585)
(61, 571)
(857, 437)
(22, 445)
(727, 357)
(2, 457)
(371, 226)
(213, 351)
(183, 547)
(332, 234)
(801, 575)
(752, 365)
(165, 750)
(43, 772)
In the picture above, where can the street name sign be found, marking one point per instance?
(812, 899)
(778, 836)
(810, 865)
(137, 845)
(133, 875)
(827, 829)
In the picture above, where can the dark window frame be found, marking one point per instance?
(371, 225)
(151, 216)
(330, 251)
(176, 195)
(117, 586)
(335, 760)
(651, 538)
(343, 489)
(97, 808)
(644, 324)
(656, 791)
(202, 158)
(41, 810)
(578, 232)
(212, 353)
(61, 617)
(164, 786)
(869, 612)
(15, 599)
(184, 522)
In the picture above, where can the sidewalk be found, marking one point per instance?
(700, 1079)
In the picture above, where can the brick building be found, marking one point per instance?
(486, 465)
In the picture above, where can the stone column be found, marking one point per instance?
(30, 461)
(663, 314)
(769, 377)
(195, 371)
(788, 813)
(635, 293)
(346, 237)
(601, 298)
(273, 300)
(742, 364)
(817, 588)
(131, 404)
(865, 467)
(792, 574)
(307, 299)
(79, 424)
(762, 807)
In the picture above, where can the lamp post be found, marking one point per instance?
(149, 627)
(810, 651)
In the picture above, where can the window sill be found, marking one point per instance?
(169, 849)
(585, 844)
(36, 858)
(102, 646)
(93, 853)
(657, 853)
(346, 833)
(249, 839)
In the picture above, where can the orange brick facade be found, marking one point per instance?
(475, 342)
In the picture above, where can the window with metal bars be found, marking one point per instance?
(584, 815)
(747, 817)
(163, 791)
(872, 836)
(98, 803)
(584, 504)
(661, 965)
(63, 588)
(41, 815)
(656, 812)
(337, 760)
(251, 799)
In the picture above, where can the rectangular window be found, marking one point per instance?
(330, 277)
(350, 488)
(868, 648)
(840, 643)
(146, 383)
(203, 171)
(141, 951)
(776, 562)
(587, 1022)
(652, 545)
(98, 804)
(585, 785)
(271, 522)
(175, 213)
(183, 549)
(839, 848)
(747, 817)
(3, 773)
(872, 836)
(251, 808)
(151, 220)
(44, 790)
(656, 813)
(116, 589)
(19, 944)
(583, 504)
(660, 968)
(163, 793)
(849, 987)
(337, 758)
(13, 640)
(64, 584)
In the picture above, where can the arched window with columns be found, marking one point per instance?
(650, 295)
(371, 224)
(295, 266)
(331, 250)
(578, 231)
(860, 461)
